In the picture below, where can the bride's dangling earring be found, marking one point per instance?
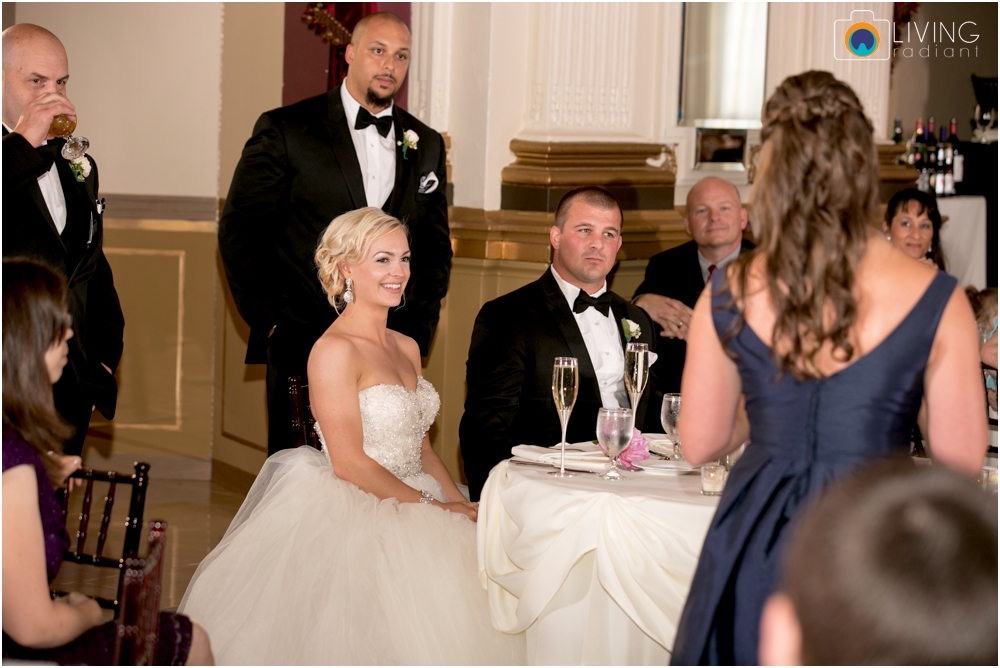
(349, 291)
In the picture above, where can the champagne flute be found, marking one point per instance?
(636, 371)
(669, 412)
(565, 385)
(614, 433)
(75, 147)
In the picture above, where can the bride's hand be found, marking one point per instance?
(470, 510)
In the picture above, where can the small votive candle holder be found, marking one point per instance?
(713, 479)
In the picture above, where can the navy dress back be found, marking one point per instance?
(804, 434)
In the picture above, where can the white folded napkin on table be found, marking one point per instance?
(584, 456)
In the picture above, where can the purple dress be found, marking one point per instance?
(95, 647)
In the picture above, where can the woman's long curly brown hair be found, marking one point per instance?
(814, 199)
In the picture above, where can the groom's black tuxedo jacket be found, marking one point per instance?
(515, 340)
(298, 172)
(77, 254)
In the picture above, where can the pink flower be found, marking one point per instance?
(637, 450)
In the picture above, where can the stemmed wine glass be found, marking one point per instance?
(565, 385)
(669, 413)
(636, 371)
(75, 147)
(614, 433)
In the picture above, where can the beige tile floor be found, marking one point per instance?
(197, 515)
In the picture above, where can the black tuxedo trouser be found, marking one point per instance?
(75, 409)
(287, 355)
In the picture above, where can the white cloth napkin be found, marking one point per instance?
(586, 455)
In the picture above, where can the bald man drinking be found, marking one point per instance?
(52, 213)
(674, 279)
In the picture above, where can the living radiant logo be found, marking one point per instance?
(863, 37)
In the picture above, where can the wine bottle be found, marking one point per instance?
(931, 140)
(915, 154)
(957, 159)
(897, 131)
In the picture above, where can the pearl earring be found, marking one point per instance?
(349, 291)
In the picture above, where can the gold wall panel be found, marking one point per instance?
(165, 275)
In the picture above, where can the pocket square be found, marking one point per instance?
(428, 183)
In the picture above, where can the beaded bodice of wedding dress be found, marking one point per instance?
(394, 420)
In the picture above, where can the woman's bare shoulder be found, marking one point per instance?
(335, 349)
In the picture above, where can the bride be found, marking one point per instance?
(364, 553)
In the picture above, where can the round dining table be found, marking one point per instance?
(594, 571)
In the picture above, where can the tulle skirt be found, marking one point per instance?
(315, 571)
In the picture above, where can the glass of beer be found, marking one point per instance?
(63, 127)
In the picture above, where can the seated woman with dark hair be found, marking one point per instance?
(913, 225)
(69, 630)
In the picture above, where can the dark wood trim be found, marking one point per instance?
(231, 477)
(163, 207)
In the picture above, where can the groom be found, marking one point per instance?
(567, 312)
(306, 164)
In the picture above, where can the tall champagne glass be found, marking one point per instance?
(614, 433)
(565, 385)
(75, 147)
(636, 371)
(669, 412)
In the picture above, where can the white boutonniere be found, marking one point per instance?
(80, 167)
(410, 139)
(630, 329)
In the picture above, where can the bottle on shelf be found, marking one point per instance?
(914, 148)
(897, 131)
(957, 159)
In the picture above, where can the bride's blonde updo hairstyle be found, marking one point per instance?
(813, 201)
(348, 239)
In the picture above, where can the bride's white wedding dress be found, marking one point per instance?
(315, 571)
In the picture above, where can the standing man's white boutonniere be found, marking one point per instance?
(630, 329)
(410, 139)
(80, 167)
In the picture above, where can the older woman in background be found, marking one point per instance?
(913, 225)
(833, 339)
(69, 630)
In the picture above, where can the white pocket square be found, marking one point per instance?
(428, 183)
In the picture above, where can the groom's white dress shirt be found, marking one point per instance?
(376, 154)
(600, 334)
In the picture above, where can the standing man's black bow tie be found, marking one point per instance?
(585, 301)
(382, 123)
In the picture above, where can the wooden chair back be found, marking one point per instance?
(303, 422)
(138, 625)
(139, 481)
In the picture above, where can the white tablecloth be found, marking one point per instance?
(595, 572)
(963, 239)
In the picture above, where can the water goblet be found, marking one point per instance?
(75, 147)
(614, 433)
(669, 412)
(565, 385)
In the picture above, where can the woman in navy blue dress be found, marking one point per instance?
(824, 347)
(70, 630)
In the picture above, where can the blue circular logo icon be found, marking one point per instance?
(862, 39)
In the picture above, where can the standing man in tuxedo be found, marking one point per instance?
(306, 164)
(568, 312)
(715, 219)
(52, 214)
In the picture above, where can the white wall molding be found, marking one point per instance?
(800, 38)
(430, 74)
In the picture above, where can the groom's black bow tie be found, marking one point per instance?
(585, 301)
(382, 123)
